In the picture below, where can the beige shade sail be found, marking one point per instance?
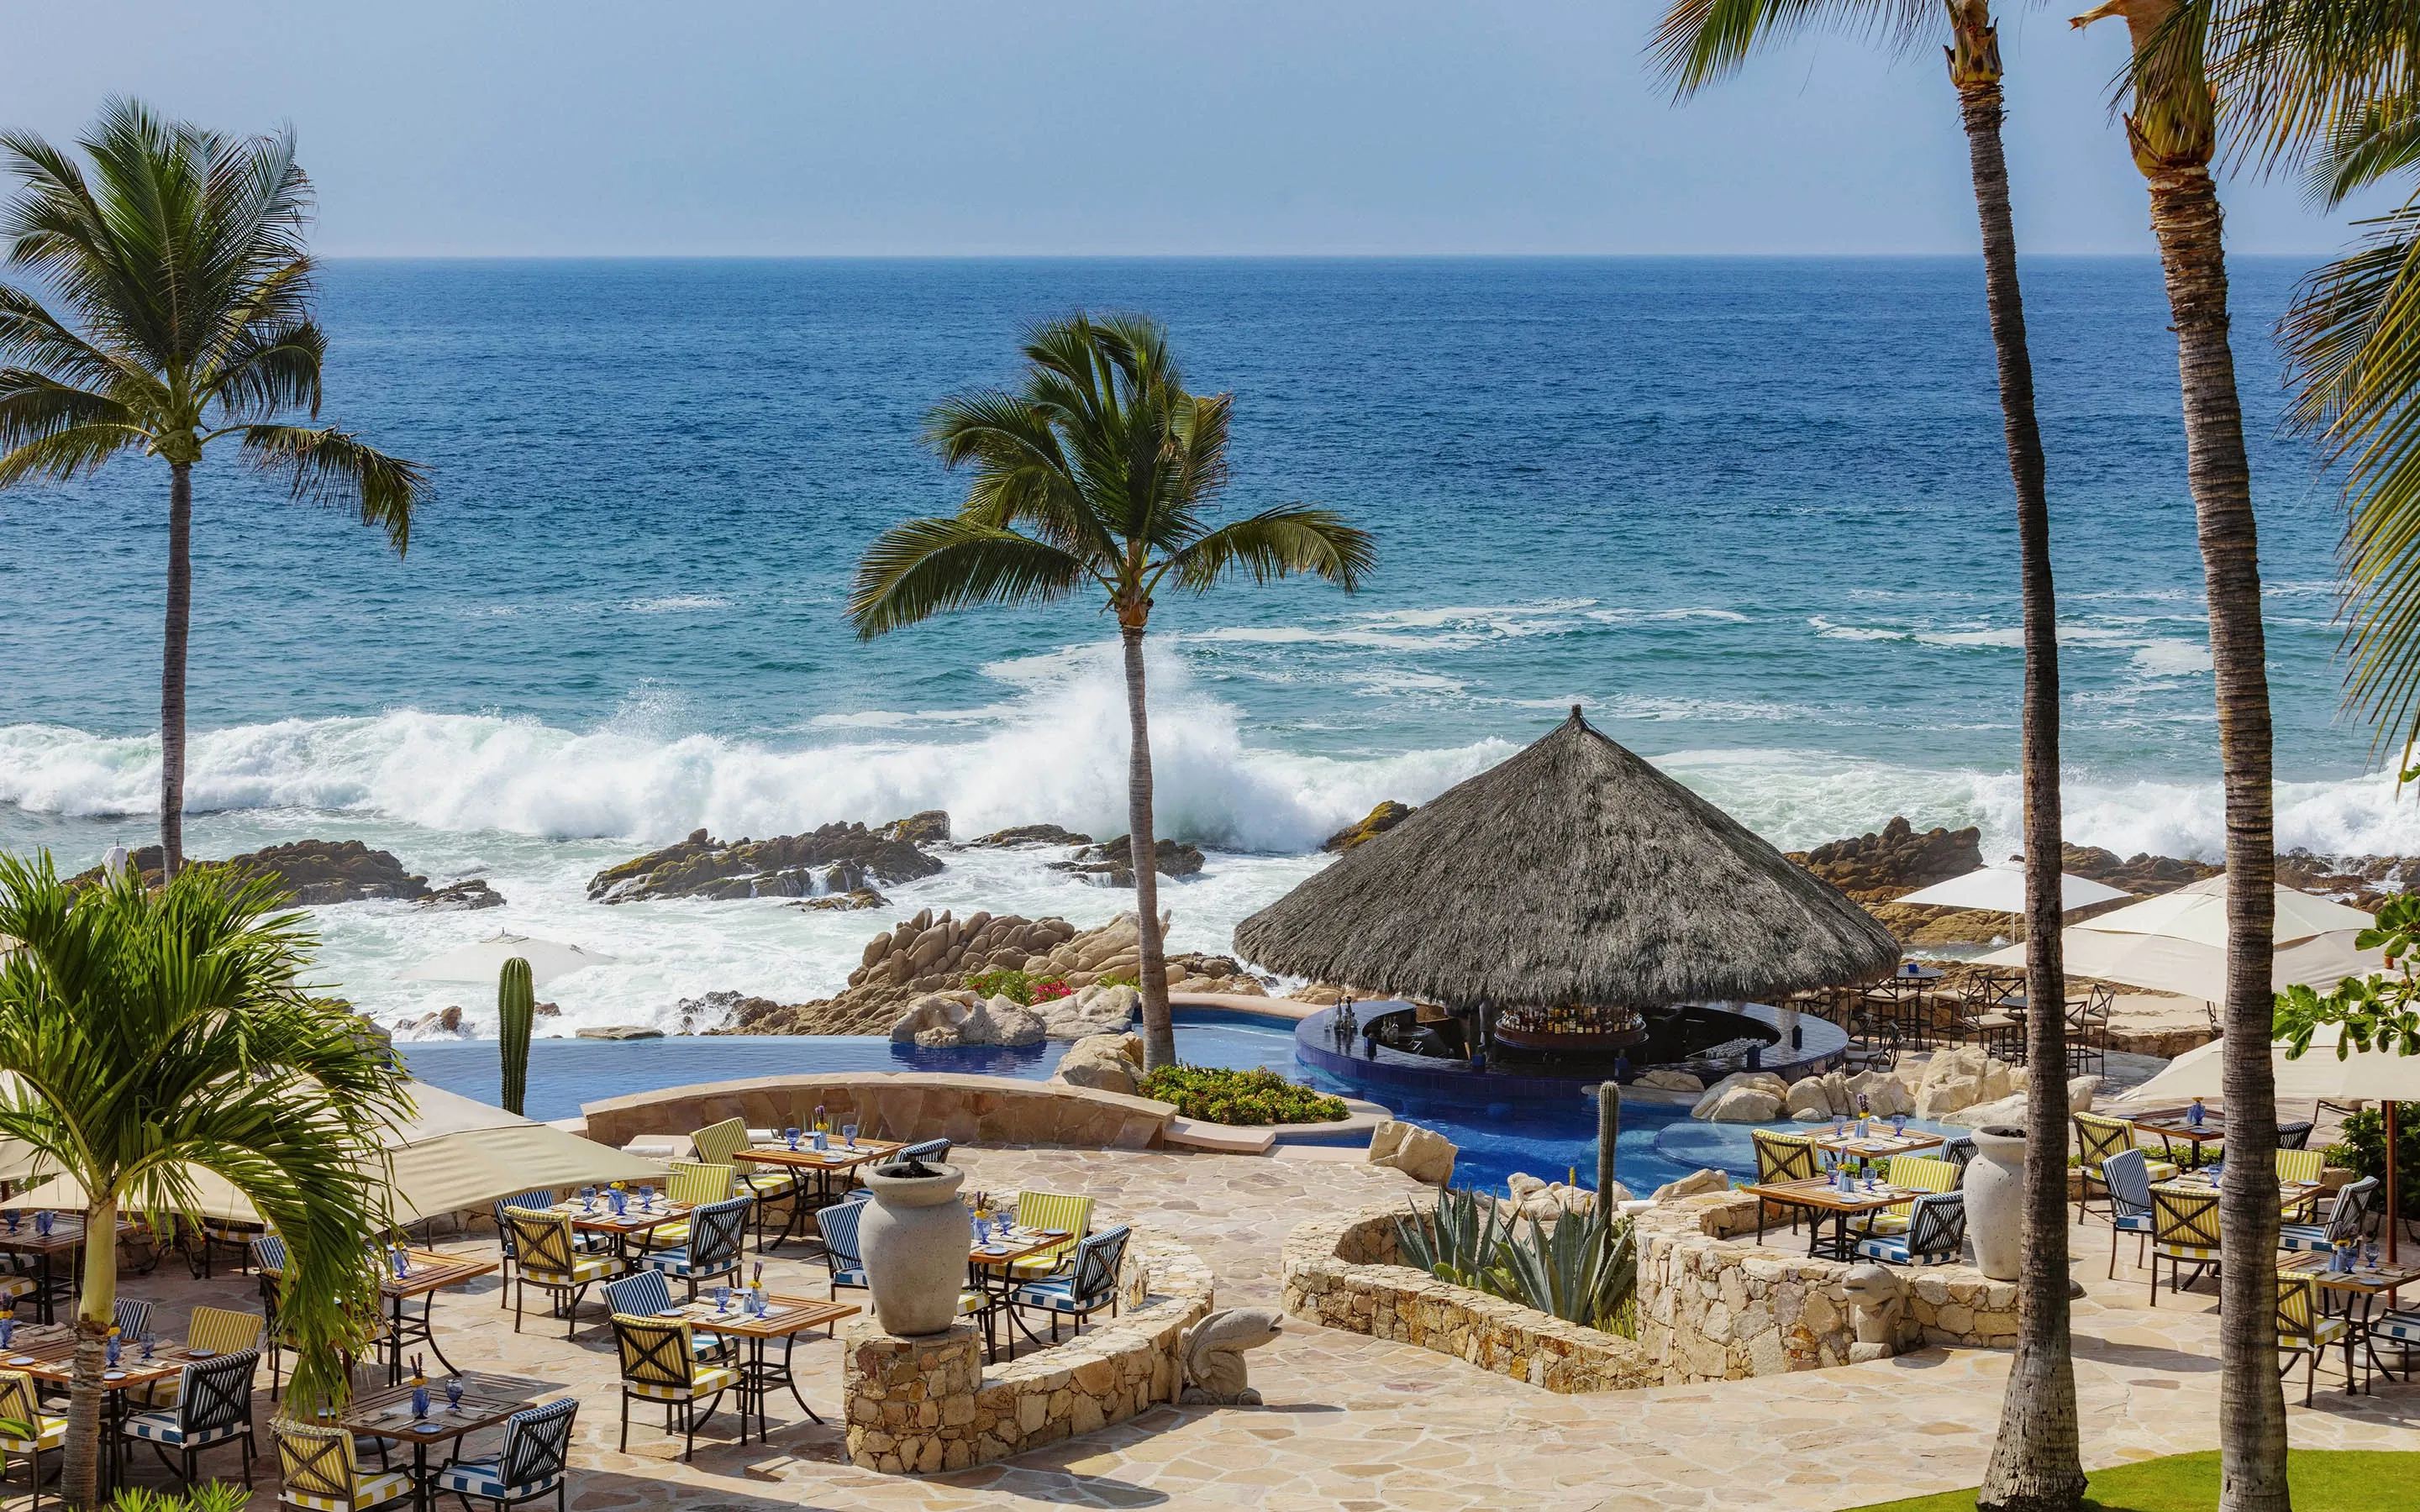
(2368, 1076)
(2166, 965)
(2197, 912)
(547, 960)
(2001, 889)
(452, 1153)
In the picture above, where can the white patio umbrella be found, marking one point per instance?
(547, 960)
(2379, 1077)
(2001, 889)
(451, 1153)
(2177, 943)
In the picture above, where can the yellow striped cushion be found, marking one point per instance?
(53, 1432)
(2301, 1164)
(2184, 1252)
(368, 1491)
(1051, 1210)
(706, 1383)
(580, 1271)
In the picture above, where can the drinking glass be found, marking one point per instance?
(452, 1394)
(151, 1342)
(722, 1299)
(792, 1135)
(848, 1134)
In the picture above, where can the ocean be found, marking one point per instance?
(1753, 515)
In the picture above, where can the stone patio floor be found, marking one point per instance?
(1360, 1425)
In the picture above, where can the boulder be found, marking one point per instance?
(1105, 1063)
(1034, 835)
(1762, 1080)
(549, 1011)
(1665, 1079)
(835, 858)
(1375, 824)
(712, 1011)
(2011, 1109)
(1536, 1199)
(940, 1022)
(1885, 1095)
(1806, 1100)
(1318, 995)
(931, 827)
(621, 1031)
(2142, 875)
(1089, 1012)
(1422, 1154)
(462, 897)
(312, 872)
(1706, 1180)
(844, 903)
(1113, 862)
(1742, 1104)
(1879, 867)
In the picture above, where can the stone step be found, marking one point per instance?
(1221, 1138)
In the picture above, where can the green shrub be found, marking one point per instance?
(2363, 1149)
(1019, 987)
(1120, 978)
(1583, 1270)
(1255, 1096)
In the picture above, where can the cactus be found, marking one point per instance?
(516, 1008)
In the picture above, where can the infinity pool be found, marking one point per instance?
(1659, 1142)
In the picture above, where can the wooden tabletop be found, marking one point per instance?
(2211, 1127)
(1020, 1247)
(636, 1221)
(48, 1355)
(487, 1400)
(838, 1158)
(1879, 1144)
(2373, 1281)
(67, 1233)
(784, 1316)
(1816, 1192)
(430, 1271)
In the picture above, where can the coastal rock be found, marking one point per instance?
(550, 1010)
(1113, 862)
(1091, 1011)
(1705, 1179)
(620, 1031)
(1376, 822)
(312, 872)
(1665, 1079)
(940, 1021)
(1918, 926)
(711, 1010)
(2142, 875)
(1195, 973)
(1318, 995)
(1773, 1088)
(1104, 1062)
(462, 897)
(1742, 1105)
(849, 902)
(1879, 867)
(2011, 1109)
(1034, 835)
(931, 827)
(1422, 1154)
(835, 858)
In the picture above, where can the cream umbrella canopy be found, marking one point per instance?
(547, 960)
(2177, 943)
(2001, 889)
(452, 1153)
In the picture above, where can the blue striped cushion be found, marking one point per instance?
(2399, 1325)
(1057, 1296)
(675, 1262)
(2134, 1222)
(849, 1278)
(484, 1477)
(1895, 1252)
(160, 1427)
(2303, 1236)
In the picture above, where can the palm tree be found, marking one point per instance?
(179, 261)
(145, 1036)
(1109, 466)
(2035, 1458)
(2172, 130)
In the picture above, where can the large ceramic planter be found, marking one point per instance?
(1995, 1201)
(915, 1242)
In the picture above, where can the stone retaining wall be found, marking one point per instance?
(924, 1404)
(988, 1110)
(1709, 1308)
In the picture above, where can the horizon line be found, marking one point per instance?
(2148, 255)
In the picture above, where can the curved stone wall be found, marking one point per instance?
(895, 1104)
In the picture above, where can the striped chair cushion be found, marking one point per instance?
(368, 1491)
(485, 1478)
(2134, 1222)
(853, 1277)
(705, 1383)
(54, 1433)
(581, 1272)
(15, 1286)
(675, 1262)
(1057, 1296)
(2303, 1236)
(160, 1427)
(2184, 1252)
(1895, 1252)
(2326, 1331)
(2399, 1325)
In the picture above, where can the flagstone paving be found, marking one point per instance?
(1359, 1424)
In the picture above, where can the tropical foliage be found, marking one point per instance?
(1259, 1095)
(1582, 1266)
(1097, 473)
(183, 318)
(1021, 987)
(147, 1038)
(2363, 1149)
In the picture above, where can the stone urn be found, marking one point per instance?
(1995, 1201)
(915, 1241)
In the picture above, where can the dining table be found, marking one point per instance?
(803, 1160)
(637, 1219)
(2171, 1125)
(783, 1319)
(991, 1268)
(47, 1353)
(426, 1274)
(2361, 1289)
(487, 1400)
(1824, 1199)
(51, 1285)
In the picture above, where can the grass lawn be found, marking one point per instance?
(2321, 1480)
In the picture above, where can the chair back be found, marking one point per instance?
(2300, 1165)
(2101, 1137)
(715, 1233)
(1053, 1209)
(2295, 1135)
(534, 1201)
(317, 1462)
(641, 1294)
(1936, 1224)
(1960, 1152)
(269, 1253)
(717, 1142)
(838, 1223)
(2298, 1307)
(1098, 1260)
(18, 1401)
(538, 1443)
(216, 1393)
(1781, 1157)
(1920, 1173)
(2128, 1174)
(655, 1353)
(2350, 1218)
(541, 1240)
(129, 1315)
(930, 1150)
(697, 1183)
(2184, 1216)
(222, 1330)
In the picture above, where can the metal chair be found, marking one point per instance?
(934, 1149)
(1051, 1210)
(2304, 1333)
(217, 1330)
(659, 1365)
(842, 1257)
(537, 1447)
(2098, 1138)
(1089, 1285)
(1781, 1157)
(648, 1294)
(19, 1404)
(1917, 1173)
(548, 1261)
(213, 1407)
(2128, 1176)
(2087, 1030)
(720, 1144)
(2348, 1219)
(718, 1234)
(322, 1474)
(1936, 1233)
(1960, 1151)
(2184, 1231)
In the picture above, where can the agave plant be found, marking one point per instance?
(1583, 1267)
(1460, 1241)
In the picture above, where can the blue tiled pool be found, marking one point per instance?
(1659, 1142)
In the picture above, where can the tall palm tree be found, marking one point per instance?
(2036, 1461)
(179, 263)
(1099, 471)
(2172, 128)
(149, 1035)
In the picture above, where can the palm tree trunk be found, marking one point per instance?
(2252, 1405)
(1142, 851)
(172, 669)
(79, 1470)
(2035, 1463)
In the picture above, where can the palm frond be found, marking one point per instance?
(331, 467)
(920, 568)
(62, 455)
(1700, 41)
(266, 369)
(1276, 543)
(2291, 74)
(31, 337)
(36, 406)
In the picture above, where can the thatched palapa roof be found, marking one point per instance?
(1572, 873)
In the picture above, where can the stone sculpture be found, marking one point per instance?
(1214, 1371)
(1873, 1312)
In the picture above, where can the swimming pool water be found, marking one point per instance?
(1659, 1142)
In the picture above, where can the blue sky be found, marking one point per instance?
(1105, 127)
